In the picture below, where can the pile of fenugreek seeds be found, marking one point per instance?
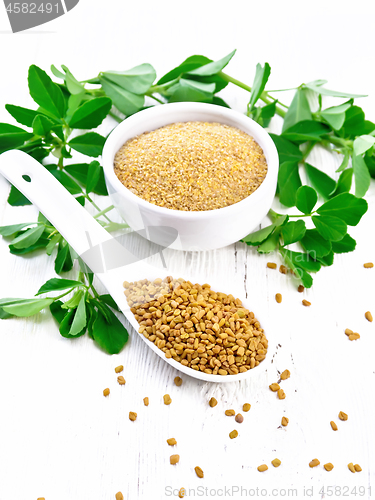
(202, 329)
(192, 166)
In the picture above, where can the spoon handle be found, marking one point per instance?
(75, 224)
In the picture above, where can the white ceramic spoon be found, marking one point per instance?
(82, 232)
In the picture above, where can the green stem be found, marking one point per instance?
(104, 211)
(96, 295)
(309, 148)
(87, 196)
(155, 98)
(265, 97)
(117, 118)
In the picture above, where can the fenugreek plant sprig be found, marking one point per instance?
(68, 109)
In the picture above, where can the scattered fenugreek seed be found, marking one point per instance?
(343, 416)
(178, 381)
(174, 459)
(314, 463)
(191, 166)
(181, 493)
(146, 401)
(262, 468)
(283, 269)
(306, 303)
(300, 288)
(358, 468)
(233, 434)
(230, 413)
(171, 441)
(119, 496)
(281, 394)
(239, 418)
(354, 336)
(368, 316)
(121, 380)
(167, 399)
(271, 265)
(276, 462)
(328, 467)
(285, 421)
(246, 407)
(368, 265)
(285, 375)
(279, 298)
(351, 467)
(219, 336)
(106, 392)
(132, 416)
(333, 425)
(212, 402)
(274, 387)
(348, 332)
(119, 369)
(199, 472)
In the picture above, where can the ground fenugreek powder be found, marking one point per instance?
(192, 166)
(205, 330)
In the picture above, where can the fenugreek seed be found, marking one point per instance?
(348, 332)
(132, 416)
(121, 380)
(368, 316)
(106, 392)
(314, 463)
(351, 467)
(285, 375)
(119, 496)
(212, 402)
(271, 265)
(246, 407)
(191, 166)
(145, 401)
(368, 265)
(358, 468)
(167, 399)
(285, 421)
(171, 441)
(233, 434)
(300, 288)
(41, 498)
(174, 459)
(306, 303)
(354, 336)
(283, 269)
(262, 468)
(276, 462)
(239, 418)
(281, 394)
(274, 387)
(181, 493)
(279, 298)
(343, 416)
(199, 472)
(333, 425)
(178, 381)
(203, 330)
(230, 413)
(328, 467)
(119, 369)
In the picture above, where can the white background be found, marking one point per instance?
(59, 437)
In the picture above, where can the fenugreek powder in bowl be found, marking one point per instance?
(190, 229)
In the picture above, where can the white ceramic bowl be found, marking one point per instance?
(204, 230)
